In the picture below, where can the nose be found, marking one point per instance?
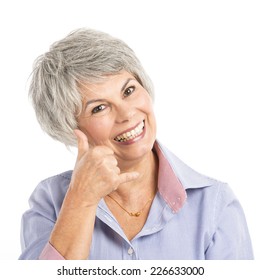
(124, 113)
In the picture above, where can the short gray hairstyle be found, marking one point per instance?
(85, 55)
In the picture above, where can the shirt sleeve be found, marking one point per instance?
(50, 253)
(230, 238)
(37, 223)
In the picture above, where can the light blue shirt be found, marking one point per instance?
(192, 217)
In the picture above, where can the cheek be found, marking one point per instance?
(145, 103)
(97, 129)
(147, 108)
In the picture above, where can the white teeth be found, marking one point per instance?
(130, 134)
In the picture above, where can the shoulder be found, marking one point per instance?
(196, 183)
(55, 184)
(63, 177)
(50, 192)
(189, 177)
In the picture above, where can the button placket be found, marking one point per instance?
(130, 251)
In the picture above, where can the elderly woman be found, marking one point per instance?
(128, 197)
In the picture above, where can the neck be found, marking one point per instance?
(144, 188)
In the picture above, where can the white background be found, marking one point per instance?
(204, 60)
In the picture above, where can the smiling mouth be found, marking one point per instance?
(132, 134)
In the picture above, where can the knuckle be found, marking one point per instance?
(114, 181)
(95, 151)
(106, 150)
(113, 160)
(101, 151)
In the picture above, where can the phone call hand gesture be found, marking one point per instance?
(96, 173)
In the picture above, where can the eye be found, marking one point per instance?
(129, 91)
(98, 109)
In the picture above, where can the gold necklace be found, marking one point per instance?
(132, 214)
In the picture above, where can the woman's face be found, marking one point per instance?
(118, 113)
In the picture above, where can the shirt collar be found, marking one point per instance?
(175, 177)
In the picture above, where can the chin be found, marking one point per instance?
(135, 152)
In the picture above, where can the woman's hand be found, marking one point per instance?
(96, 173)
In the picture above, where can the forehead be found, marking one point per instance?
(106, 86)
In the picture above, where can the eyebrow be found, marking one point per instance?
(103, 100)
(126, 83)
(93, 101)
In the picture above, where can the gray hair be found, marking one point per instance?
(85, 55)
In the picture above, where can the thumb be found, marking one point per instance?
(83, 145)
(128, 177)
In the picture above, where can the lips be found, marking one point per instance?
(130, 134)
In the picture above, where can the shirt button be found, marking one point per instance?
(130, 251)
